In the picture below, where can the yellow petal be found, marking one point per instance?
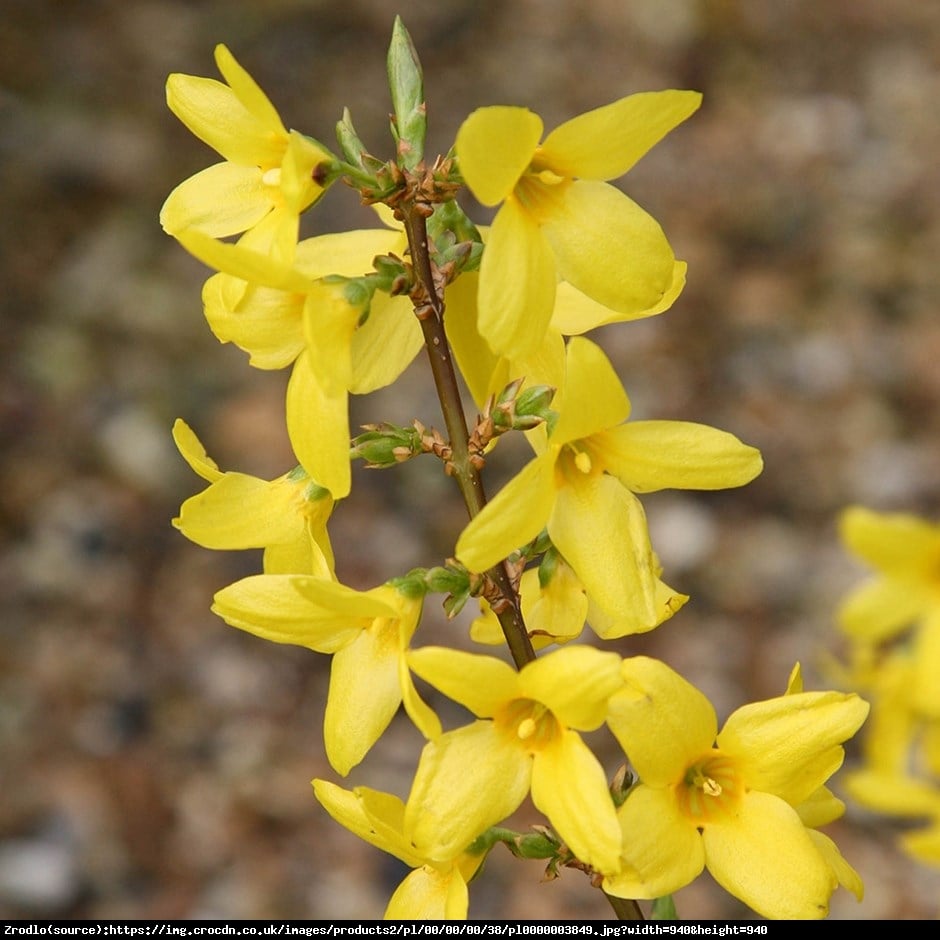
(543, 366)
(576, 313)
(570, 788)
(421, 714)
(265, 322)
(318, 427)
(764, 856)
(790, 744)
(374, 816)
(893, 794)
(330, 321)
(467, 780)
(475, 359)
(630, 618)
(604, 143)
(223, 199)
(880, 608)
(192, 451)
(302, 556)
(275, 607)
(923, 844)
(485, 628)
(244, 263)
(517, 283)
(385, 345)
(214, 113)
(820, 807)
(662, 722)
(298, 168)
(848, 877)
(925, 693)
(609, 248)
(512, 518)
(246, 89)
(575, 683)
(349, 254)
(592, 397)
(364, 695)
(893, 542)
(480, 683)
(430, 894)
(647, 456)
(662, 850)
(240, 511)
(558, 610)
(494, 146)
(600, 528)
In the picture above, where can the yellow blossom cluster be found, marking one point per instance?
(892, 623)
(562, 545)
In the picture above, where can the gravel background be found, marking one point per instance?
(156, 763)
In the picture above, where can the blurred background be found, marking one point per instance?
(155, 763)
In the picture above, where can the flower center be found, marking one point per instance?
(575, 462)
(530, 723)
(710, 789)
(541, 191)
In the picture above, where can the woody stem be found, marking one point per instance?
(466, 474)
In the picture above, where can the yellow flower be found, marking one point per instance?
(526, 737)
(582, 487)
(904, 593)
(367, 631)
(291, 311)
(436, 889)
(730, 801)
(901, 775)
(267, 169)
(286, 517)
(558, 219)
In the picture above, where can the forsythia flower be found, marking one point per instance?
(367, 631)
(732, 800)
(901, 748)
(267, 168)
(904, 593)
(286, 517)
(582, 487)
(558, 219)
(437, 888)
(283, 313)
(526, 737)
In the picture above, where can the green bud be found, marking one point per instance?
(540, 844)
(534, 402)
(521, 411)
(392, 275)
(547, 566)
(354, 150)
(448, 579)
(385, 445)
(411, 585)
(450, 218)
(407, 87)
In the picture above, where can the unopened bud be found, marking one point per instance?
(384, 445)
